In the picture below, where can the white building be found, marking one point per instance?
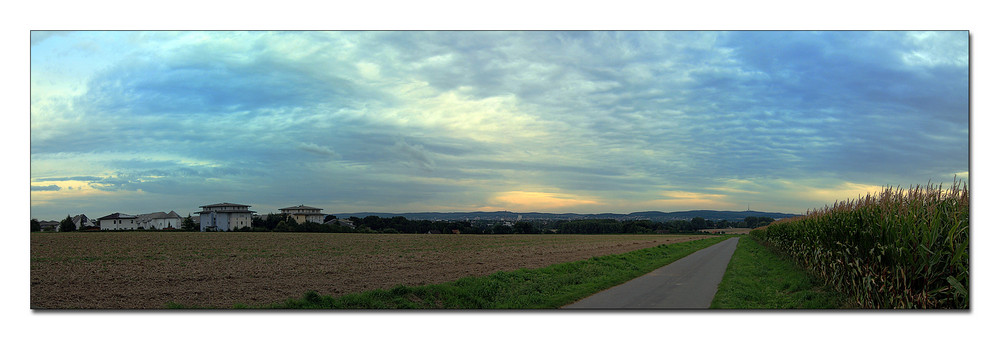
(82, 222)
(225, 216)
(159, 220)
(118, 221)
(303, 214)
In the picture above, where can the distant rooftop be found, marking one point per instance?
(224, 205)
(225, 208)
(160, 214)
(301, 207)
(116, 216)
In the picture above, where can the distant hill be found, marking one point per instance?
(510, 216)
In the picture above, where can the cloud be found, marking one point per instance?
(673, 200)
(562, 120)
(687, 195)
(414, 155)
(45, 188)
(528, 200)
(934, 49)
(822, 193)
(38, 36)
(73, 178)
(317, 149)
(204, 80)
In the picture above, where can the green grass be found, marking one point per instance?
(758, 278)
(549, 287)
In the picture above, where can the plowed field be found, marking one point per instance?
(137, 270)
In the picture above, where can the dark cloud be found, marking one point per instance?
(209, 81)
(45, 188)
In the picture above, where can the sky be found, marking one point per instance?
(527, 121)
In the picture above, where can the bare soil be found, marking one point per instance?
(146, 270)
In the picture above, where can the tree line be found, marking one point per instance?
(610, 226)
(398, 224)
(65, 225)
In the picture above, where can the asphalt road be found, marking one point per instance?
(688, 283)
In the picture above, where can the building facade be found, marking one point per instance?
(118, 221)
(225, 216)
(82, 222)
(159, 220)
(302, 214)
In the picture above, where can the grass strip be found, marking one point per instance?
(550, 287)
(758, 278)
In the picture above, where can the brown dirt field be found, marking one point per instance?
(145, 270)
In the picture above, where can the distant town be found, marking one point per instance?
(212, 217)
(238, 217)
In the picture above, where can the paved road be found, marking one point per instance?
(690, 282)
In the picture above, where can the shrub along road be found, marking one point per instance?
(690, 282)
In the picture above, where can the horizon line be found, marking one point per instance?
(557, 213)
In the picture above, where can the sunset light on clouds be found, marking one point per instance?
(548, 121)
(531, 201)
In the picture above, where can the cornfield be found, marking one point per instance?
(900, 248)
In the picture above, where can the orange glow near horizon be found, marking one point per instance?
(676, 199)
(842, 192)
(529, 200)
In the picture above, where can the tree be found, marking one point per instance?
(268, 222)
(524, 228)
(287, 225)
(637, 227)
(399, 223)
(757, 221)
(188, 224)
(501, 228)
(67, 224)
(698, 223)
(681, 226)
(372, 222)
(35, 226)
(328, 218)
(271, 223)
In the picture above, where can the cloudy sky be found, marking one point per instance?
(578, 121)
